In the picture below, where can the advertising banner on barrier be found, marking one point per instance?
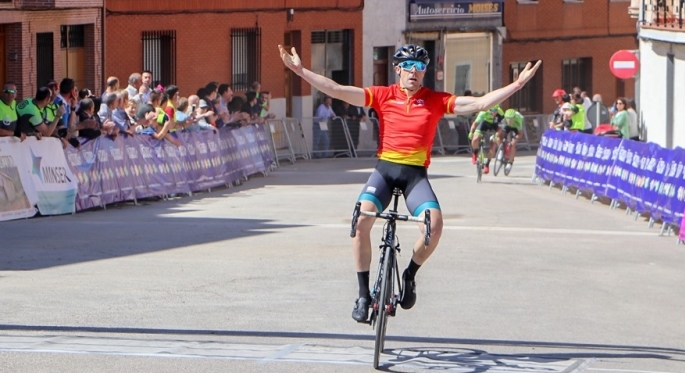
(52, 178)
(83, 165)
(643, 176)
(17, 195)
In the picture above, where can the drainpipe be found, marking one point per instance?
(102, 43)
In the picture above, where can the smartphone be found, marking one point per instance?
(192, 109)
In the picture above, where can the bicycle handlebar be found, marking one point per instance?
(390, 215)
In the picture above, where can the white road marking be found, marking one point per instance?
(452, 359)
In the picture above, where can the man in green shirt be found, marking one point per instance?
(485, 121)
(31, 113)
(8, 110)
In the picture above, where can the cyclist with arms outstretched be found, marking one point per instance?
(408, 115)
(488, 120)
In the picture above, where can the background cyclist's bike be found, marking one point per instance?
(502, 155)
(384, 295)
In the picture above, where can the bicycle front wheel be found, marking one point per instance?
(384, 302)
(499, 159)
(479, 163)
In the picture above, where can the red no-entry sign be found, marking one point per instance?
(624, 64)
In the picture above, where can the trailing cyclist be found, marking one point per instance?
(485, 121)
(409, 114)
(513, 122)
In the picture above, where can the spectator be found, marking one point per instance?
(263, 102)
(68, 97)
(165, 121)
(620, 120)
(170, 108)
(8, 110)
(468, 92)
(146, 124)
(30, 113)
(250, 106)
(210, 95)
(201, 123)
(109, 103)
(324, 113)
(578, 118)
(238, 118)
(131, 110)
(146, 87)
(120, 117)
(353, 115)
(633, 120)
(135, 81)
(112, 87)
(566, 117)
(557, 115)
(225, 96)
(87, 125)
(50, 115)
(193, 103)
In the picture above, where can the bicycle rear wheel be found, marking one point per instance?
(499, 158)
(479, 162)
(383, 302)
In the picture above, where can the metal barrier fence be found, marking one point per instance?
(281, 146)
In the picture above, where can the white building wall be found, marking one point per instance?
(679, 96)
(655, 46)
(383, 23)
(653, 90)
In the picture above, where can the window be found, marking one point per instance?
(527, 1)
(529, 98)
(382, 68)
(246, 57)
(159, 55)
(44, 58)
(576, 72)
(72, 36)
(462, 80)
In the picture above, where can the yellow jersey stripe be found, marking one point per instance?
(370, 95)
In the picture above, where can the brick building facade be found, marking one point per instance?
(236, 42)
(50, 39)
(575, 41)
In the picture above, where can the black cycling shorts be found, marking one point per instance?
(412, 180)
(486, 126)
(508, 129)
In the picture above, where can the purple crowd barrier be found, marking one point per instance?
(130, 168)
(644, 176)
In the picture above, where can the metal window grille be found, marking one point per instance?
(576, 72)
(318, 37)
(246, 57)
(529, 98)
(44, 58)
(72, 36)
(159, 55)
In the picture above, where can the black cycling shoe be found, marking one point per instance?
(360, 312)
(408, 298)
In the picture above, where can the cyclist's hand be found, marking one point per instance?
(527, 73)
(470, 135)
(293, 61)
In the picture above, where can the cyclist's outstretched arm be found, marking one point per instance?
(469, 104)
(350, 94)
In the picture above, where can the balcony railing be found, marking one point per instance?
(664, 13)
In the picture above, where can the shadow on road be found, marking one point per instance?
(441, 352)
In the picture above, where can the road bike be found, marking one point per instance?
(385, 294)
(502, 155)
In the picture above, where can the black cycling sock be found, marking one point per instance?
(475, 151)
(363, 279)
(487, 162)
(411, 270)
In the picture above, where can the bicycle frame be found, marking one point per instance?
(384, 298)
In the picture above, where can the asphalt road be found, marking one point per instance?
(260, 278)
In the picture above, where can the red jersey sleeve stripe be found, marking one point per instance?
(369, 97)
(450, 104)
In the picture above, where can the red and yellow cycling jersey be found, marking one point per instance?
(407, 126)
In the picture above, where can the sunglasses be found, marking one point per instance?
(11, 91)
(408, 65)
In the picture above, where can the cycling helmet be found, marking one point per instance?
(410, 52)
(510, 113)
(558, 93)
(495, 108)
